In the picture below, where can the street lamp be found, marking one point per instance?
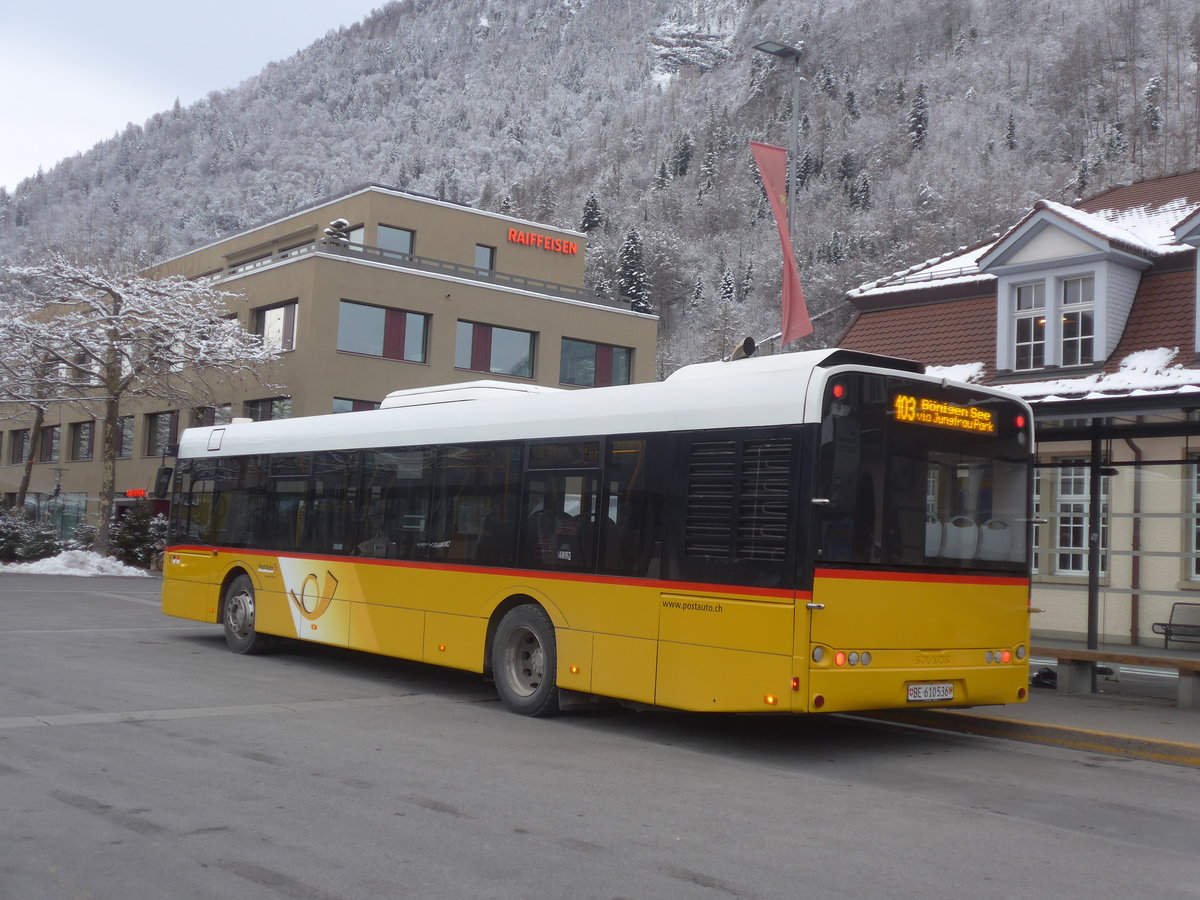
(787, 51)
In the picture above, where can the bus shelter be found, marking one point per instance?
(1117, 518)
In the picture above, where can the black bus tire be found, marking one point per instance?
(525, 661)
(237, 615)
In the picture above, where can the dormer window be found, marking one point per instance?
(1030, 326)
(1078, 320)
(1053, 321)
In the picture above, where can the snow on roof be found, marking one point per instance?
(969, 373)
(1148, 234)
(958, 267)
(1140, 372)
(1152, 224)
(1146, 228)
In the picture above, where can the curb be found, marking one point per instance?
(1054, 735)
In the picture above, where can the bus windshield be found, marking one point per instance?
(922, 475)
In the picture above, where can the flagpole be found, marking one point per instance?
(794, 150)
(795, 54)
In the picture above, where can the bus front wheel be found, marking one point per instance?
(525, 661)
(238, 617)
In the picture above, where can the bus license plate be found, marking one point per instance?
(930, 690)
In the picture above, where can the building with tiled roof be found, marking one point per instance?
(1090, 312)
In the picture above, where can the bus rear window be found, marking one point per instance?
(922, 475)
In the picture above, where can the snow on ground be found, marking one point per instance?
(74, 562)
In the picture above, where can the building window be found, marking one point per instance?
(18, 446)
(161, 429)
(277, 326)
(1072, 512)
(485, 259)
(51, 435)
(212, 415)
(82, 437)
(1078, 314)
(380, 331)
(345, 405)
(1030, 326)
(269, 408)
(125, 438)
(395, 242)
(489, 348)
(593, 365)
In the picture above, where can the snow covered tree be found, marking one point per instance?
(135, 535)
(727, 292)
(917, 121)
(1010, 133)
(860, 192)
(663, 179)
(1116, 145)
(632, 281)
(681, 155)
(23, 539)
(593, 218)
(846, 171)
(852, 109)
(1152, 114)
(114, 338)
(707, 178)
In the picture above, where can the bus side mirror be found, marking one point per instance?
(162, 482)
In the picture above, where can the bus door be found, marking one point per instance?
(850, 521)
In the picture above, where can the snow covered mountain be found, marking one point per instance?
(924, 126)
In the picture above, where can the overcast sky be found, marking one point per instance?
(76, 71)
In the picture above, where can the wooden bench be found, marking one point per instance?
(1183, 625)
(1075, 670)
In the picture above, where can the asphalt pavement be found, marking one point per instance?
(1133, 715)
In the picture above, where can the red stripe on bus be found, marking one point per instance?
(927, 577)
(669, 586)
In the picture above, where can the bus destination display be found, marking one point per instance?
(940, 414)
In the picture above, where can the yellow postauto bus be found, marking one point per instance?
(810, 532)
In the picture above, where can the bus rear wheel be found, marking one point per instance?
(525, 662)
(237, 615)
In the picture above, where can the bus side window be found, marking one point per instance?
(394, 503)
(475, 510)
(239, 501)
(335, 476)
(559, 529)
(630, 529)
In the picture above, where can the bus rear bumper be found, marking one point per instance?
(845, 690)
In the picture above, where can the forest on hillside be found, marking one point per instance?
(922, 127)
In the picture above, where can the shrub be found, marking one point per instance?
(137, 535)
(83, 538)
(23, 539)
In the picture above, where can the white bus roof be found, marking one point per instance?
(763, 391)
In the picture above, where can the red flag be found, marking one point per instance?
(772, 166)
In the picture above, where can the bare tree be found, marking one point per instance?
(106, 339)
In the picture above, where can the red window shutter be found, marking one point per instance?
(604, 366)
(393, 334)
(481, 348)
